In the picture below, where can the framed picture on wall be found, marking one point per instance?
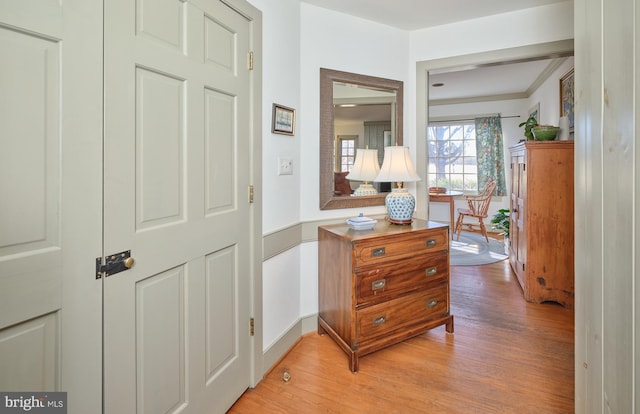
(566, 97)
(283, 120)
(534, 111)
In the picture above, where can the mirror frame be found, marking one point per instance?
(327, 76)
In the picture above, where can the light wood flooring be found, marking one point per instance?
(505, 356)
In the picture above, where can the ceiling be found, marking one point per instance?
(363, 113)
(497, 82)
(420, 14)
(504, 81)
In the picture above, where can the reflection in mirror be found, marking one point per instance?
(362, 119)
(357, 112)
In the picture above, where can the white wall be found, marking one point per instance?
(520, 28)
(548, 95)
(280, 84)
(508, 30)
(281, 295)
(309, 279)
(281, 194)
(607, 307)
(337, 41)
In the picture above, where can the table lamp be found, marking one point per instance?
(365, 168)
(397, 167)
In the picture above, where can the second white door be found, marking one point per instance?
(177, 155)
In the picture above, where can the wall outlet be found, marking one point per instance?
(285, 166)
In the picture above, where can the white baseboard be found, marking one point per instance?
(287, 340)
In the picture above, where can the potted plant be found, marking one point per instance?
(500, 221)
(528, 125)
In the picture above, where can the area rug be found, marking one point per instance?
(472, 249)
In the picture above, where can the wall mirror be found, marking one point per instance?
(356, 112)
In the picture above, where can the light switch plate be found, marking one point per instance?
(285, 166)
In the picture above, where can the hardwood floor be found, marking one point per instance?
(506, 356)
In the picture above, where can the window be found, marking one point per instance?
(346, 152)
(452, 156)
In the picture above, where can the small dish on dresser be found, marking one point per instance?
(361, 223)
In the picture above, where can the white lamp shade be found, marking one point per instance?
(397, 166)
(365, 167)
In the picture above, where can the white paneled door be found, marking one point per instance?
(50, 198)
(177, 173)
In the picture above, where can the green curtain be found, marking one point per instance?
(490, 154)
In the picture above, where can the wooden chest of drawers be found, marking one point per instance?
(379, 287)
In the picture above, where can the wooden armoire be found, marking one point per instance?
(541, 250)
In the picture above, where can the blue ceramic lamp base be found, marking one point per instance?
(365, 189)
(400, 205)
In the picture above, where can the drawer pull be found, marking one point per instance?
(431, 271)
(380, 251)
(432, 303)
(379, 320)
(431, 242)
(378, 284)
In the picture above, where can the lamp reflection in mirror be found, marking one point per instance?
(398, 167)
(365, 168)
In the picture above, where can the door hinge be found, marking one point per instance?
(250, 60)
(114, 263)
(252, 327)
(251, 194)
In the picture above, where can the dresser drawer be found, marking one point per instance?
(378, 283)
(382, 250)
(380, 319)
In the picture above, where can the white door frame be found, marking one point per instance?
(255, 17)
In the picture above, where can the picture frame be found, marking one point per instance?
(283, 120)
(567, 97)
(534, 111)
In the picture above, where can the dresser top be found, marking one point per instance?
(532, 144)
(382, 228)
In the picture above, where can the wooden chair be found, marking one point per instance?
(478, 208)
(341, 186)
